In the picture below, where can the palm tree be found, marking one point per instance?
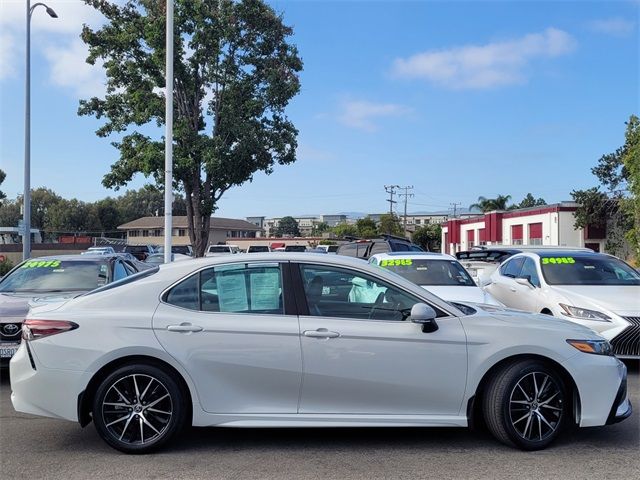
(489, 204)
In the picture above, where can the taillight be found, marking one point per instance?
(34, 329)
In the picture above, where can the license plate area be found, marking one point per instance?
(7, 350)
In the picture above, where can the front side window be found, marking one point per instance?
(334, 292)
(238, 288)
(587, 270)
(529, 270)
(512, 267)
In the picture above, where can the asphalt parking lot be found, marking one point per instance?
(34, 448)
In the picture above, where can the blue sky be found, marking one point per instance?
(458, 99)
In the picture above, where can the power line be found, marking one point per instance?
(455, 208)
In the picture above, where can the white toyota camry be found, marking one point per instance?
(276, 340)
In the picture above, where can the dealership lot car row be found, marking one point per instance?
(295, 339)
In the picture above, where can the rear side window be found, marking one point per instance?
(379, 247)
(348, 249)
(240, 288)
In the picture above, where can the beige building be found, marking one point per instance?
(150, 230)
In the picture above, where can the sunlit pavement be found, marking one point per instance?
(33, 447)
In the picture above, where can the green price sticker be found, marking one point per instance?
(558, 260)
(41, 264)
(396, 262)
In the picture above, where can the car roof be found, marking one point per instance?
(77, 257)
(413, 255)
(565, 252)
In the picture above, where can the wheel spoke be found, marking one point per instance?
(544, 383)
(116, 404)
(526, 427)
(549, 399)
(535, 386)
(118, 420)
(125, 427)
(528, 414)
(149, 424)
(551, 408)
(155, 402)
(145, 390)
(127, 401)
(158, 411)
(524, 402)
(539, 426)
(141, 430)
(540, 416)
(135, 385)
(525, 393)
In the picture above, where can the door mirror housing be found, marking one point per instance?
(424, 315)
(526, 281)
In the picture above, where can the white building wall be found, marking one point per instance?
(549, 228)
(569, 235)
(464, 228)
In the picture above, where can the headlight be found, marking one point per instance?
(598, 347)
(584, 314)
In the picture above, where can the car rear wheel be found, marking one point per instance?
(525, 405)
(138, 408)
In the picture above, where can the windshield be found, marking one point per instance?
(587, 270)
(56, 276)
(430, 272)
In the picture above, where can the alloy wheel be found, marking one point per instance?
(536, 406)
(137, 409)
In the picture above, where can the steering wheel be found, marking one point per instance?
(377, 304)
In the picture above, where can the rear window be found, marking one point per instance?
(219, 249)
(258, 249)
(136, 249)
(429, 272)
(56, 276)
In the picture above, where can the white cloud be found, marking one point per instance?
(617, 26)
(57, 38)
(7, 55)
(69, 69)
(485, 66)
(361, 114)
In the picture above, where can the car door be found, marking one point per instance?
(229, 328)
(362, 355)
(503, 285)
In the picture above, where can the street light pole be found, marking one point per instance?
(168, 138)
(26, 198)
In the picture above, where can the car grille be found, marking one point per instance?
(627, 343)
(10, 332)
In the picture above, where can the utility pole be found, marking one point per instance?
(455, 208)
(406, 196)
(391, 190)
(168, 136)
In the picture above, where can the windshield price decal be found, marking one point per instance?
(396, 262)
(557, 260)
(41, 264)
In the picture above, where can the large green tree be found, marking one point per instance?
(366, 228)
(71, 217)
(287, 226)
(147, 201)
(615, 203)
(235, 72)
(2, 177)
(530, 201)
(390, 224)
(428, 237)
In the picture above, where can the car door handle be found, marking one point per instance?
(184, 328)
(320, 333)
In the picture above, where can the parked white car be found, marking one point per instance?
(98, 251)
(439, 273)
(593, 289)
(220, 341)
(217, 250)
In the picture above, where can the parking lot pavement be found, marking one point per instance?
(33, 447)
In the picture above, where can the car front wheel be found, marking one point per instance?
(525, 405)
(138, 408)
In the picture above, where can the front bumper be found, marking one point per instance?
(621, 408)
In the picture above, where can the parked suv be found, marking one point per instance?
(364, 248)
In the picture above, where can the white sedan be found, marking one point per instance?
(439, 273)
(221, 342)
(593, 289)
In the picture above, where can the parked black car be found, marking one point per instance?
(141, 252)
(364, 248)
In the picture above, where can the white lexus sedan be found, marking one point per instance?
(439, 273)
(594, 289)
(275, 340)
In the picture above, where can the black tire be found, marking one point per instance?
(518, 416)
(139, 408)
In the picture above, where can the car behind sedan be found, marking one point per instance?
(221, 341)
(39, 279)
(596, 290)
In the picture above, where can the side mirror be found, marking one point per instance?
(526, 281)
(424, 315)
